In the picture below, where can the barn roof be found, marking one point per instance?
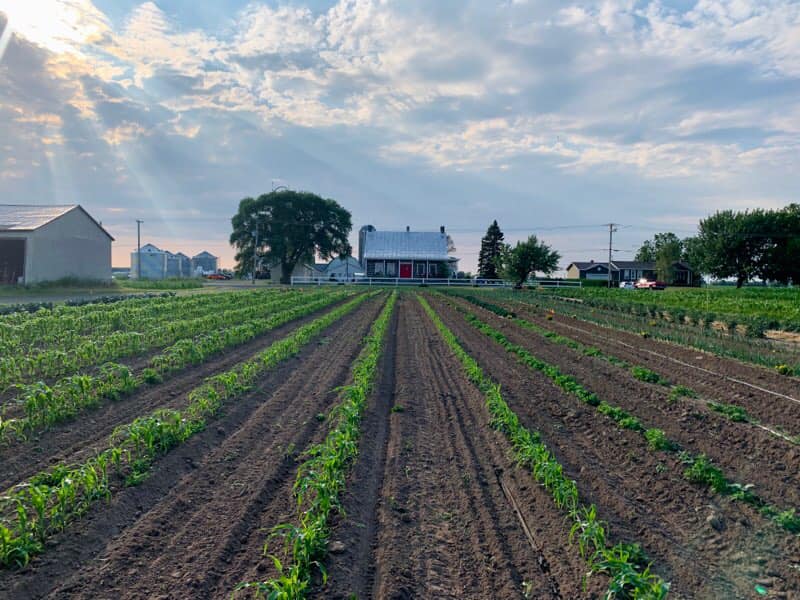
(30, 217)
(409, 245)
(204, 254)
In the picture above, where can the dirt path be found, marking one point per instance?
(707, 546)
(193, 529)
(426, 513)
(747, 454)
(74, 439)
(772, 409)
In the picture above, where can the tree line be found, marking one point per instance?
(746, 245)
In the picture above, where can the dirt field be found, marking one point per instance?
(435, 504)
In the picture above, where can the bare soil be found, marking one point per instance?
(749, 455)
(706, 545)
(194, 528)
(72, 440)
(426, 513)
(776, 403)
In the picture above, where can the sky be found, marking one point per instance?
(553, 117)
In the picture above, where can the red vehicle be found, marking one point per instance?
(216, 276)
(646, 284)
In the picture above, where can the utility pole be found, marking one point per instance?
(139, 248)
(255, 250)
(612, 227)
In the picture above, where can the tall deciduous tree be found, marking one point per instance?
(664, 249)
(529, 257)
(733, 244)
(291, 227)
(491, 252)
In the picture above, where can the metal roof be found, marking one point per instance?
(30, 217)
(408, 245)
(21, 217)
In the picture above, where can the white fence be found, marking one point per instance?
(555, 283)
(452, 282)
(398, 281)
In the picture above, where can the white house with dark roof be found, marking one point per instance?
(406, 254)
(48, 243)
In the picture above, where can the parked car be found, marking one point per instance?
(646, 284)
(626, 285)
(217, 276)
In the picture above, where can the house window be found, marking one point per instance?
(433, 270)
(419, 269)
(379, 269)
(391, 269)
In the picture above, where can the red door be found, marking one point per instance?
(405, 270)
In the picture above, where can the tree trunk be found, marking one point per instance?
(286, 272)
(740, 281)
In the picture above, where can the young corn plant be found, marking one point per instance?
(51, 500)
(629, 578)
(322, 477)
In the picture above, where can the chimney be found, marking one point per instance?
(591, 262)
(408, 228)
(441, 229)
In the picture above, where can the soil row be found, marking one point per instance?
(426, 512)
(195, 528)
(746, 453)
(72, 440)
(769, 408)
(707, 546)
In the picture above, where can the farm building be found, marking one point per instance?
(161, 264)
(630, 270)
(47, 243)
(341, 268)
(405, 254)
(205, 261)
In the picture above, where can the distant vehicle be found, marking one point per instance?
(627, 285)
(646, 284)
(217, 276)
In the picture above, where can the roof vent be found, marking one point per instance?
(441, 229)
(408, 228)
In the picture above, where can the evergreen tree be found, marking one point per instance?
(491, 252)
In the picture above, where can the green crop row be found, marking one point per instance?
(786, 518)
(18, 368)
(322, 478)
(762, 352)
(732, 412)
(48, 502)
(754, 308)
(46, 328)
(624, 563)
(45, 405)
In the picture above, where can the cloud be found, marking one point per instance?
(382, 101)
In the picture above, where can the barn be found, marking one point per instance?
(48, 243)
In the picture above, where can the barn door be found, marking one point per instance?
(12, 260)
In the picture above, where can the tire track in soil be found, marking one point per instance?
(182, 531)
(78, 438)
(748, 454)
(771, 410)
(442, 527)
(643, 499)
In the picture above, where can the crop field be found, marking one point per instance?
(340, 443)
